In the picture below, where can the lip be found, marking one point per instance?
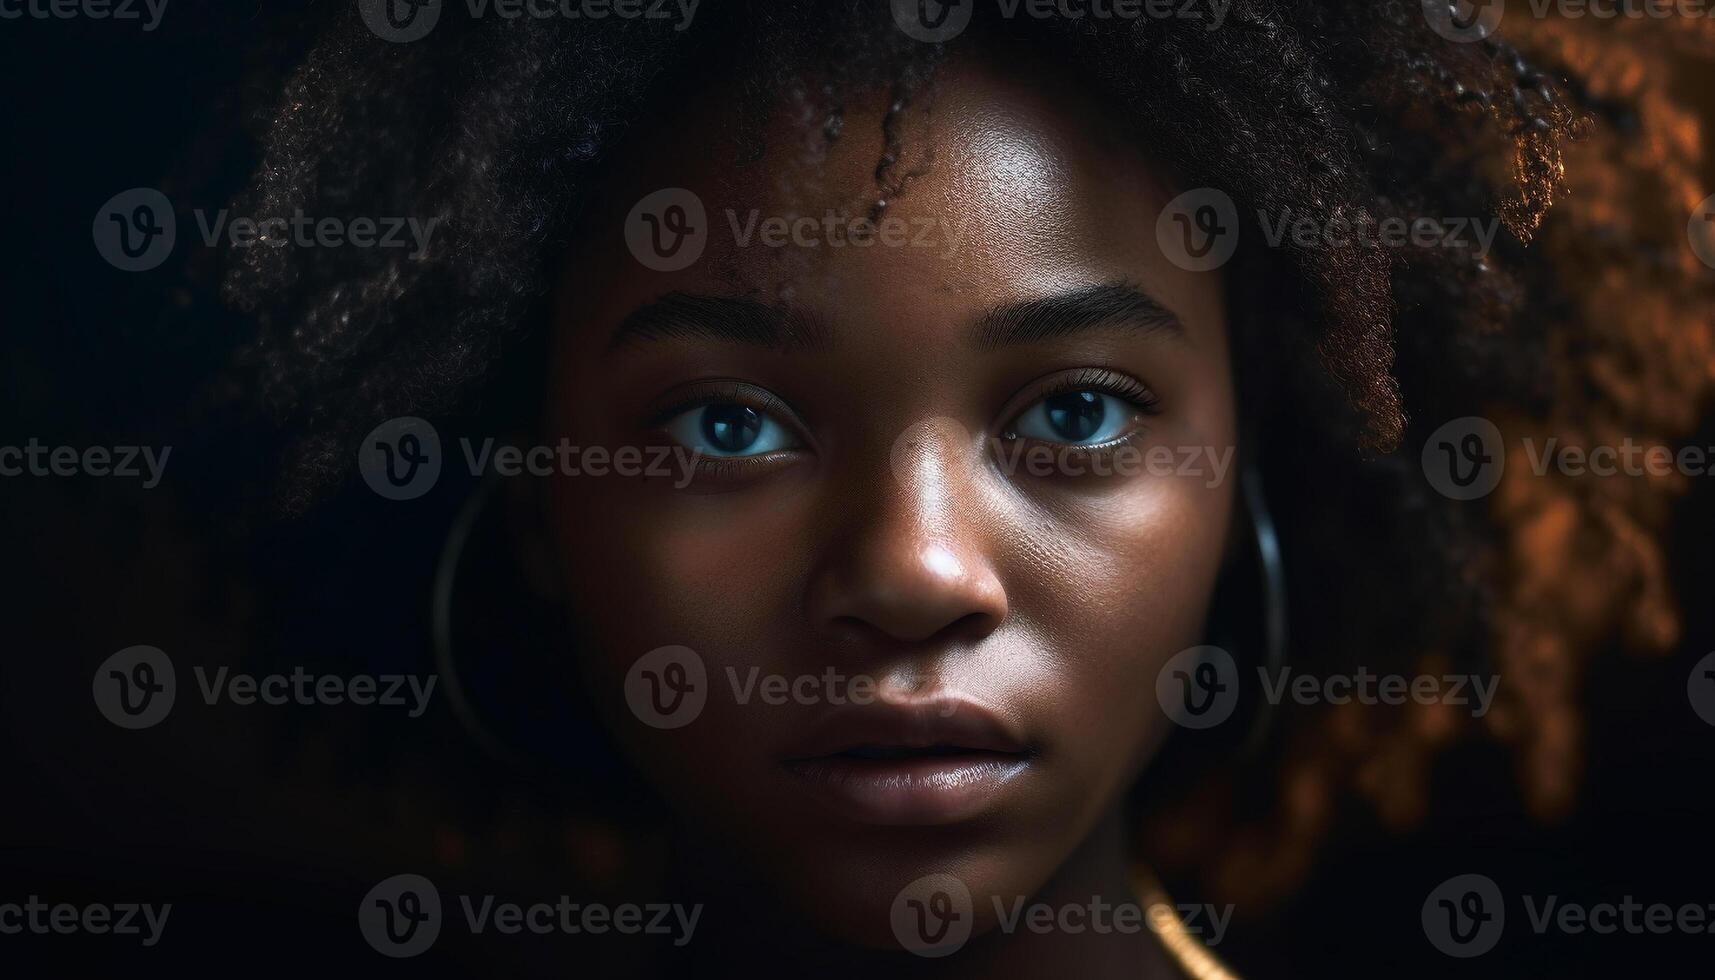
(939, 761)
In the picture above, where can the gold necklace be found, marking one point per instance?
(1186, 950)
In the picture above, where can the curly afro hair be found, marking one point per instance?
(1589, 319)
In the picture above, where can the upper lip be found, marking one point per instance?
(945, 722)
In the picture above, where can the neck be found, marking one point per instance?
(1093, 882)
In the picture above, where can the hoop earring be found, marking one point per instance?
(1271, 569)
(1265, 538)
(441, 624)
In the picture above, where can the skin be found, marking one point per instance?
(888, 543)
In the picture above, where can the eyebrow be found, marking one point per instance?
(751, 323)
(730, 319)
(1118, 304)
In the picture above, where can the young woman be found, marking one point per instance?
(1012, 366)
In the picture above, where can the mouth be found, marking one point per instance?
(912, 765)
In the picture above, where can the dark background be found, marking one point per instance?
(265, 826)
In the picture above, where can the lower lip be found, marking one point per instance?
(919, 791)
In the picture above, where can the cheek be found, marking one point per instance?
(654, 566)
(1116, 586)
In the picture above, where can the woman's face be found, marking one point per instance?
(928, 627)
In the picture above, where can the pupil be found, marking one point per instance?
(1075, 415)
(731, 428)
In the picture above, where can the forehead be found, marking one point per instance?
(995, 184)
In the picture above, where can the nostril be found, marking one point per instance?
(894, 632)
(891, 579)
(971, 626)
(859, 632)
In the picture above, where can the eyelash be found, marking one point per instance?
(725, 393)
(1108, 382)
(717, 470)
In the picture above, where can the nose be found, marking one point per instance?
(911, 560)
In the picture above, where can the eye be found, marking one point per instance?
(1080, 417)
(730, 429)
